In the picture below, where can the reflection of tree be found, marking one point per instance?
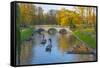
(66, 42)
(63, 44)
(26, 52)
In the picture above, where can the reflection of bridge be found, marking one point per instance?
(47, 27)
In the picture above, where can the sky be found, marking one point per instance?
(46, 8)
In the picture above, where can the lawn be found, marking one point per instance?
(25, 33)
(87, 38)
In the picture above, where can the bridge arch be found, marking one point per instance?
(52, 27)
(52, 30)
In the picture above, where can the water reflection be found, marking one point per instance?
(63, 43)
(43, 39)
(26, 52)
(48, 48)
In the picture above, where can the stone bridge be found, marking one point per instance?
(47, 27)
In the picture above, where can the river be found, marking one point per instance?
(54, 50)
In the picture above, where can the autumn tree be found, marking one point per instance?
(81, 12)
(62, 17)
(67, 17)
(87, 15)
(91, 16)
(27, 12)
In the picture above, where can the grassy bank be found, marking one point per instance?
(87, 38)
(26, 33)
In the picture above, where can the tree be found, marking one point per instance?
(87, 15)
(62, 17)
(67, 17)
(27, 12)
(51, 14)
(81, 12)
(40, 16)
(91, 16)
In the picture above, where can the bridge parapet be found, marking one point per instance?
(47, 27)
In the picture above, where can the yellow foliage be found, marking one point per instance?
(26, 13)
(65, 17)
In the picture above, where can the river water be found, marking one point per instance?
(54, 50)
